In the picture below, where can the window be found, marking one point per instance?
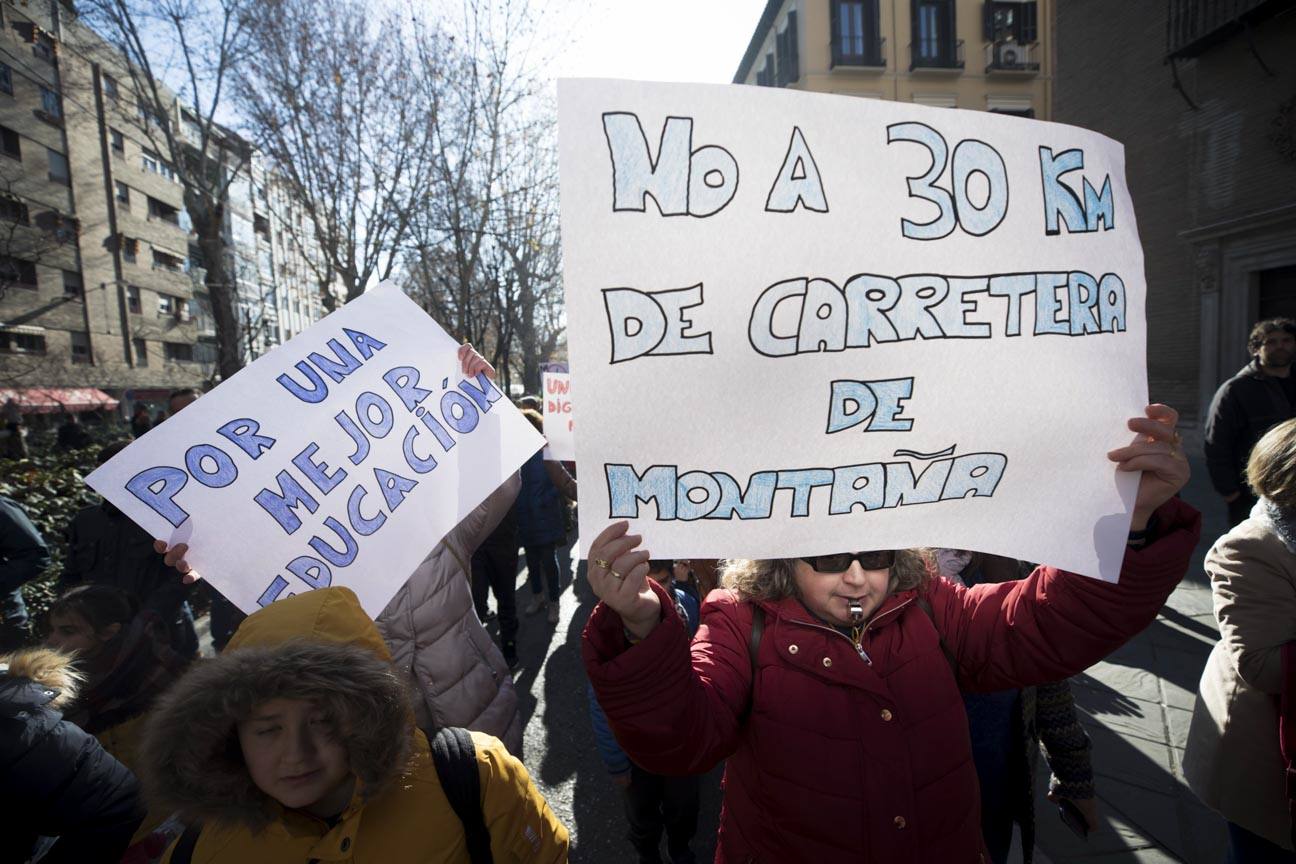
(786, 43)
(934, 44)
(110, 87)
(15, 271)
(178, 352)
(855, 39)
(261, 225)
(21, 343)
(72, 284)
(130, 249)
(6, 78)
(50, 103)
(13, 210)
(58, 168)
(133, 300)
(163, 211)
(118, 141)
(43, 45)
(167, 305)
(123, 194)
(165, 261)
(155, 165)
(1010, 22)
(10, 143)
(80, 346)
(141, 352)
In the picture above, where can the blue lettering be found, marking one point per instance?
(156, 487)
(281, 505)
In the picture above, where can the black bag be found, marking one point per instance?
(456, 766)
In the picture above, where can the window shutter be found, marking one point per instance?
(794, 62)
(1029, 26)
(835, 14)
(914, 33)
(950, 35)
(987, 21)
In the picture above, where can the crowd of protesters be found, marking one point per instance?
(871, 705)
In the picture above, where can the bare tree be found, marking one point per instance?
(206, 39)
(342, 116)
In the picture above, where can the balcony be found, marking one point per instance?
(1193, 26)
(936, 55)
(1012, 58)
(856, 52)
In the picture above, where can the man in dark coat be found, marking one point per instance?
(1260, 396)
(61, 793)
(106, 547)
(23, 556)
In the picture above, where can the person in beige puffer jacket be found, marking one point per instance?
(434, 636)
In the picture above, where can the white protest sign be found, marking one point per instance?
(558, 424)
(339, 458)
(794, 317)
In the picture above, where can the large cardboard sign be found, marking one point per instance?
(802, 323)
(339, 458)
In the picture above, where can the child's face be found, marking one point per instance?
(73, 634)
(296, 756)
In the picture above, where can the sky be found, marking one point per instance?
(657, 40)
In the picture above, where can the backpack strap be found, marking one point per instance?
(184, 848)
(753, 647)
(456, 766)
(925, 605)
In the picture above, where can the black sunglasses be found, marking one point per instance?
(881, 559)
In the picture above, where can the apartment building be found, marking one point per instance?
(988, 56)
(1202, 93)
(100, 284)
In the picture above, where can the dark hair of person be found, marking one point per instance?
(100, 605)
(1262, 329)
(535, 417)
(112, 449)
(657, 564)
(184, 391)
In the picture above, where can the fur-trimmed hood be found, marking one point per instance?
(318, 646)
(50, 669)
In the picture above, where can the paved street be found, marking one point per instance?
(1136, 706)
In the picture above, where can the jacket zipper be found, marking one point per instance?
(857, 643)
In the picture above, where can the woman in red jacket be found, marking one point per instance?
(838, 704)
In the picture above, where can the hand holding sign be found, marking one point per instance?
(1155, 451)
(618, 574)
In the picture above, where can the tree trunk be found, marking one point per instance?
(208, 223)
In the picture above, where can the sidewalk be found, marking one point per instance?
(1136, 706)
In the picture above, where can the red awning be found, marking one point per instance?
(50, 400)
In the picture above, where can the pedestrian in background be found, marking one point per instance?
(139, 422)
(23, 557)
(1009, 727)
(494, 570)
(105, 547)
(831, 683)
(1233, 761)
(654, 803)
(541, 523)
(1260, 395)
(123, 657)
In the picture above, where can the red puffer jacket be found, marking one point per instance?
(834, 757)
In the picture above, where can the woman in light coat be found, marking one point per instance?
(1233, 762)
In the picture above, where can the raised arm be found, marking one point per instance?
(676, 708)
(1055, 624)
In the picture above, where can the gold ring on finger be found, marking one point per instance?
(615, 575)
(606, 565)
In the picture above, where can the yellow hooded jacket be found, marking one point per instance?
(302, 647)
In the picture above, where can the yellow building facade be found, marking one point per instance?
(987, 56)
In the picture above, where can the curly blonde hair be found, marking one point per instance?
(775, 578)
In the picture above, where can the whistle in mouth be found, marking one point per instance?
(856, 611)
